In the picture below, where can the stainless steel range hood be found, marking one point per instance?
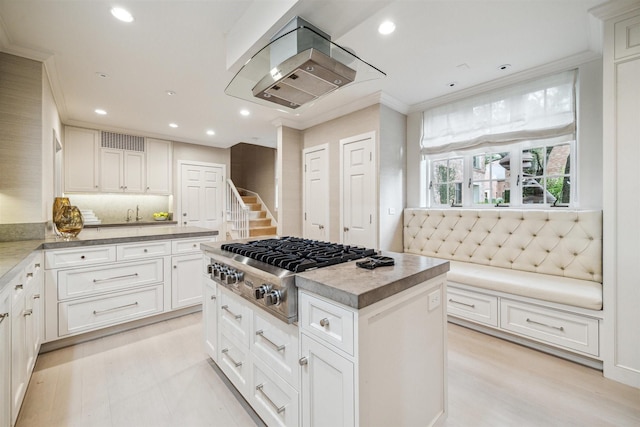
(298, 66)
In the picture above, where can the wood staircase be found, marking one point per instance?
(259, 224)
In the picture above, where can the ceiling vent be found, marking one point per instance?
(121, 141)
(298, 66)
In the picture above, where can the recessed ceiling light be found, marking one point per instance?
(387, 27)
(122, 14)
(210, 132)
(102, 75)
(100, 111)
(504, 67)
(173, 125)
(452, 84)
(245, 112)
(171, 92)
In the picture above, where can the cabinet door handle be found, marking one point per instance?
(27, 312)
(36, 296)
(559, 328)
(115, 278)
(277, 347)
(20, 286)
(29, 274)
(96, 312)
(280, 409)
(324, 322)
(303, 361)
(213, 297)
(226, 351)
(2, 316)
(226, 308)
(462, 303)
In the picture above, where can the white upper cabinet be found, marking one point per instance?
(121, 171)
(158, 166)
(81, 160)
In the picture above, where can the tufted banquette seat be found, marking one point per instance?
(549, 255)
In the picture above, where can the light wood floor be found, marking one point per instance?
(158, 376)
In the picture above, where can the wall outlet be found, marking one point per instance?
(434, 300)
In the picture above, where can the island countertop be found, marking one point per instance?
(13, 255)
(357, 287)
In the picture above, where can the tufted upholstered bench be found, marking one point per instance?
(528, 272)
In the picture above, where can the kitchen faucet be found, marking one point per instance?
(129, 212)
(138, 217)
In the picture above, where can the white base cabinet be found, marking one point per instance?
(5, 356)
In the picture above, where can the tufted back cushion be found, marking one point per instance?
(561, 243)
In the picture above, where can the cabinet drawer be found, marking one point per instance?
(233, 360)
(234, 316)
(327, 321)
(473, 306)
(554, 327)
(98, 312)
(275, 401)
(184, 246)
(80, 256)
(143, 250)
(276, 343)
(96, 280)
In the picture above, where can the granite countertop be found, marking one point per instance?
(358, 287)
(13, 255)
(132, 224)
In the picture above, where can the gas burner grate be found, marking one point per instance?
(297, 254)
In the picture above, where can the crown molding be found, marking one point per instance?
(614, 8)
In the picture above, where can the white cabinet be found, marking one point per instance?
(26, 328)
(210, 318)
(328, 386)
(5, 356)
(186, 280)
(159, 166)
(621, 242)
(391, 373)
(81, 160)
(121, 171)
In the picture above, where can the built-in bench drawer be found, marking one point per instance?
(551, 326)
(144, 250)
(61, 258)
(107, 278)
(327, 321)
(98, 312)
(473, 306)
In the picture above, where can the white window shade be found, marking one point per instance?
(543, 108)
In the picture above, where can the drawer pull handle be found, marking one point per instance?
(226, 308)
(462, 303)
(559, 328)
(37, 265)
(213, 297)
(115, 278)
(96, 312)
(36, 296)
(29, 274)
(226, 351)
(277, 347)
(2, 316)
(82, 257)
(146, 250)
(280, 409)
(303, 361)
(27, 312)
(20, 286)
(324, 322)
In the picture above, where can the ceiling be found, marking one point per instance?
(194, 48)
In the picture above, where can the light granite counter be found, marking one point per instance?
(358, 287)
(13, 255)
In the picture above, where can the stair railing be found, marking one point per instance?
(237, 212)
(264, 207)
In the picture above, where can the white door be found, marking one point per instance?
(358, 204)
(201, 201)
(316, 193)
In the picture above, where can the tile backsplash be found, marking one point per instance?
(112, 208)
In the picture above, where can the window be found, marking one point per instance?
(510, 147)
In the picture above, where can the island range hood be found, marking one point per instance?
(298, 66)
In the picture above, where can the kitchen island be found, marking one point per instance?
(368, 347)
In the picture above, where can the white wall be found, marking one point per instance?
(589, 151)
